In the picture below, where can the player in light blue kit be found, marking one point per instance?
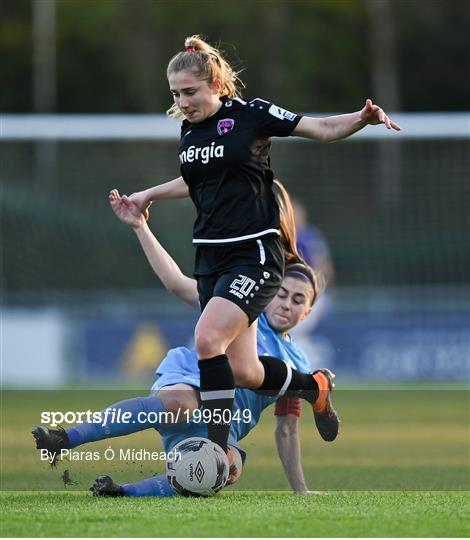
(176, 387)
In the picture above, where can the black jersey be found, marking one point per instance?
(225, 162)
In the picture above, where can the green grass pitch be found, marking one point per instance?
(400, 468)
(242, 514)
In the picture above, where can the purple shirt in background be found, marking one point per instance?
(312, 245)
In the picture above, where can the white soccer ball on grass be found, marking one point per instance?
(199, 467)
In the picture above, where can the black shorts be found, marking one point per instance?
(248, 274)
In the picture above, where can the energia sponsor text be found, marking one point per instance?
(204, 154)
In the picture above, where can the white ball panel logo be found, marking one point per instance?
(281, 113)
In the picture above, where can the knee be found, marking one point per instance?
(175, 402)
(172, 403)
(208, 343)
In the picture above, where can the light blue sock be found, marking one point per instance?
(157, 486)
(90, 431)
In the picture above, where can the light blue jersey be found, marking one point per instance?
(180, 366)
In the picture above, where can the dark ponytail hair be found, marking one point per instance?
(287, 222)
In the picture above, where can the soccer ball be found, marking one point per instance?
(199, 468)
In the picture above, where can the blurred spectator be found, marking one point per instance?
(312, 244)
(313, 247)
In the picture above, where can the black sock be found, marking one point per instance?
(217, 392)
(276, 379)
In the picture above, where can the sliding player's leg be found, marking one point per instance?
(171, 405)
(156, 486)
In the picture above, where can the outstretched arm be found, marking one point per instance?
(333, 128)
(160, 260)
(174, 189)
(288, 447)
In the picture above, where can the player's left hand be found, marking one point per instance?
(235, 464)
(373, 115)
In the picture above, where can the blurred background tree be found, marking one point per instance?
(111, 55)
(395, 212)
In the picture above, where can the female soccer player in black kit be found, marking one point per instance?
(224, 163)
